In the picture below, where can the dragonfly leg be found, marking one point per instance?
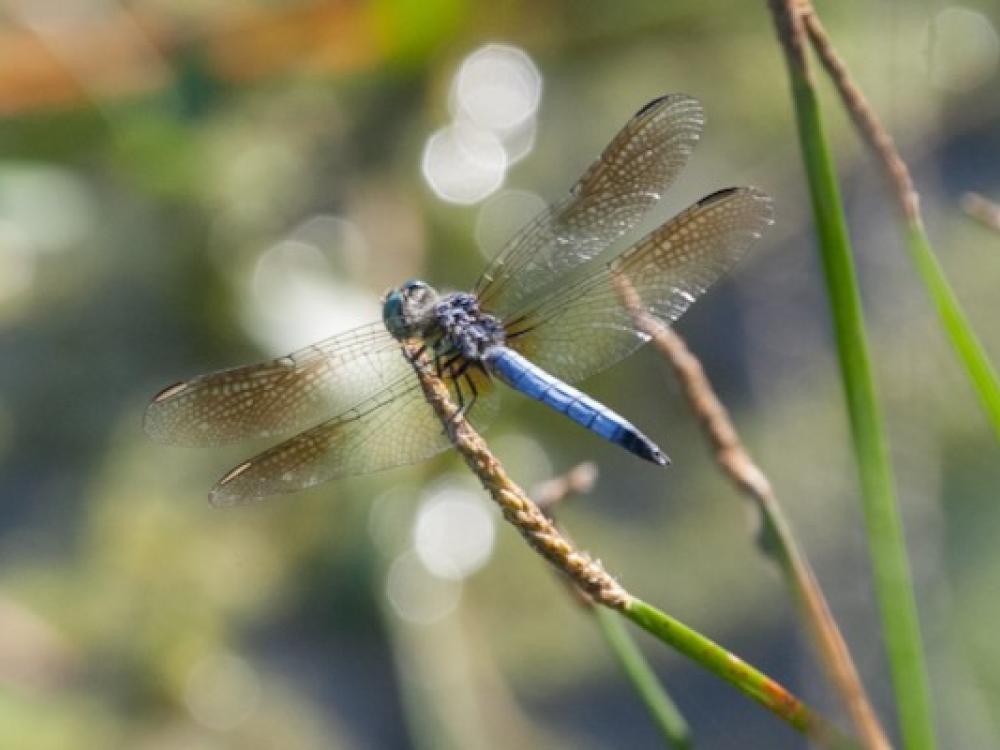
(456, 370)
(472, 387)
(458, 375)
(460, 397)
(416, 356)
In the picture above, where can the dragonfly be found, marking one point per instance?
(547, 312)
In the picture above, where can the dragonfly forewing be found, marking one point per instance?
(276, 397)
(588, 326)
(393, 427)
(566, 301)
(609, 199)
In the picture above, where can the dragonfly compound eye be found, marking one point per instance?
(543, 315)
(392, 315)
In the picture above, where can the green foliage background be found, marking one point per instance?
(131, 217)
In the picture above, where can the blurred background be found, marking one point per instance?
(187, 185)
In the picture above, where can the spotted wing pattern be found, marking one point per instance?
(393, 427)
(588, 326)
(355, 395)
(609, 199)
(278, 396)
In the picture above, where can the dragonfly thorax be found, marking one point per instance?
(463, 328)
(453, 324)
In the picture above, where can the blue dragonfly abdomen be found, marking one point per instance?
(522, 375)
(548, 311)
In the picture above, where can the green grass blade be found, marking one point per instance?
(749, 680)
(893, 586)
(661, 708)
(970, 352)
(963, 339)
(590, 576)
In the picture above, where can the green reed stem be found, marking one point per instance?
(963, 339)
(662, 709)
(589, 575)
(723, 663)
(893, 586)
(970, 352)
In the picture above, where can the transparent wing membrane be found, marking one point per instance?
(278, 396)
(608, 200)
(393, 427)
(355, 397)
(588, 326)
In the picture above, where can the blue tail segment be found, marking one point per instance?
(531, 380)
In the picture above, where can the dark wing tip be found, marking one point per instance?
(755, 193)
(154, 420)
(170, 391)
(651, 105)
(718, 195)
(664, 100)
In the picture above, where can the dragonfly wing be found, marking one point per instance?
(393, 427)
(608, 200)
(278, 396)
(588, 325)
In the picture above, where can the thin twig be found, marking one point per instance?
(864, 116)
(886, 539)
(540, 532)
(968, 348)
(982, 209)
(664, 712)
(553, 492)
(668, 718)
(577, 481)
(776, 537)
(589, 575)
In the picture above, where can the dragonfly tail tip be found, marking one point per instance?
(648, 450)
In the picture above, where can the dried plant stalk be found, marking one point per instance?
(886, 538)
(577, 481)
(865, 119)
(982, 209)
(636, 669)
(537, 528)
(969, 350)
(588, 574)
(777, 539)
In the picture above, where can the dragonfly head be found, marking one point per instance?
(408, 310)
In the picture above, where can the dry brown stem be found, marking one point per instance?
(537, 528)
(577, 481)
(982, 209)
(735, 462)
(864, 117)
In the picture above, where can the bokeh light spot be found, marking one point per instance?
(497, 87)
(17, 264)
(494, 103)
(463, 164)
(416, 595)
(454, 532)
(222, 691)
(296, 294)
(51, 207)
(964, 49)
